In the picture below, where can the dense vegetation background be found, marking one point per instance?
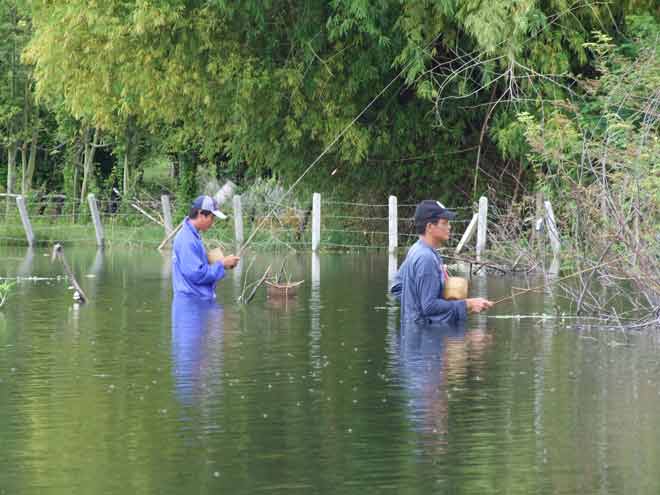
(165, 95)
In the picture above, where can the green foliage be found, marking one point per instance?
(600, 154)
(262, 89)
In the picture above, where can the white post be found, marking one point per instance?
(393, 225)
(225, 192)
(316, 221)
(167, 213)
(238, 220)
(552, 228)
(469, 232)
(482, 226)
(96, 218)
(316, 271)
(391, 269)
(20, 202)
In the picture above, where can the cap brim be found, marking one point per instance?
(448, 215)
(219, 214)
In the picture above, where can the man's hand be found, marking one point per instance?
(478, 304)
(230, 261)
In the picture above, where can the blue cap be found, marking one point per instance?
(430, 210)
(206, 203)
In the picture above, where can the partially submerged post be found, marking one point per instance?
(469, 232)
(553, 233)
(27, 226)
(316, 221)
(393, 225)
(167, 213)
(96, 218)
(482, 228)
(170, 235)
(225, 193)
(238, 220)
(58, 252)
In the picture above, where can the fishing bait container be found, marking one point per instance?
(215, 255)
(456, 288)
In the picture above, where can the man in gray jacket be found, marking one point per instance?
(420, 282)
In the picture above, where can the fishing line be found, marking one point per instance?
(547, 284)
(327, 148)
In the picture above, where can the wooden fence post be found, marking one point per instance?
(482, 226)
(469, 232)
(238, 220)
(393, 229)
(553, 234)
(96, 218)
(167, 213)
(20, 202)
(316, 221)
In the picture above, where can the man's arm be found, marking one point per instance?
(428, 288)
(196, 268)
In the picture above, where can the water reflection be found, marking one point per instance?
(25, 268)
(433, 358)
(315, 312)
(197, 328)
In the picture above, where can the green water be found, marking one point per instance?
(319, 394)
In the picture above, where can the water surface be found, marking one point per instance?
(321, 393)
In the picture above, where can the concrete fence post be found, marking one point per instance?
(393, 229)
(96, 218)
(482, 226)
(167, 213)
(316, 221)
(238, 220)
(469, 232)
(553, 233)
(27, 226)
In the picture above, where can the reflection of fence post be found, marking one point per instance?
(238, 220)
(20, 202)
(469, 232)
(96, 218)
(552, 228)
(167, 213)
(482, 227)
(393, 225)
(316, 221)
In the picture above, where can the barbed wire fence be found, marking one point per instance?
(331, 224)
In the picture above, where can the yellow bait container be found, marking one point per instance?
(215, 255)
(456, 288)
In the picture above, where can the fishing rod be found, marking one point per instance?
(325, 151)
(552, 282)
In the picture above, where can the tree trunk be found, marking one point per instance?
(24, 160)
(130, 154)
(11, 173)
(126, 174)
(32, 162)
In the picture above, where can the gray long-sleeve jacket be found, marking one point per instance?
(419, 284)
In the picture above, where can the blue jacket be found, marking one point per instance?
(419, 284)
(191, 273)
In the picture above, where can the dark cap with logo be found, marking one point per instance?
(430, 210)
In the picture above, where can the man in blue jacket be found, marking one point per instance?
(420, 282)
(192, 275)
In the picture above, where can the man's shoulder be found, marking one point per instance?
(425, 259)
(185, 235)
